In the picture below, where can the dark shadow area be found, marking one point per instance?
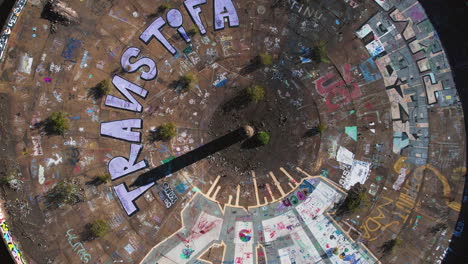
(5, 8)
(95, 182)
(60, 12)
(96, 92)
(86, 235)
(311, 132)
(238, 102)
(190, 158)
(5, 257)
(254, 65)
(251, 143)
(449, 18)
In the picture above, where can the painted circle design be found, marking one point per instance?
(245, 235)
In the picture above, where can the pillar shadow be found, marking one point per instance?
(190, 158)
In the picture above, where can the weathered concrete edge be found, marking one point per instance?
(8, 238)
(10, 23)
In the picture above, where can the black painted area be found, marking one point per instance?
(450, 18)
(5, 257)
(5, 8)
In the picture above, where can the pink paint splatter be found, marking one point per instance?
(47, 79)
(77, 169)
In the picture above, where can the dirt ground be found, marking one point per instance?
(44, 72)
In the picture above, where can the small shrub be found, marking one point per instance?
(357, 197)
(321, 128)
(263, 138)
(265, 59)
(65, 192)
(56, 124)
(163, 7)
(193, 31)
(320, 52)
(438, 227)
(166, 131)
(187, 81)
(99, 228)
(101, 89)
(7, 179)
(256, 93)
(391, 244)
(335, 251)
(104, 177)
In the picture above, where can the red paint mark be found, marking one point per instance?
(77, 169)
(281, 226)
(182, 239)
(368, 106)
(338, 92)
(272, 234)
(230, 230)
(48, 182)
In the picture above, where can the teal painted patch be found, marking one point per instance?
(324, 173)
(168, 159)
(351, 132)
(352, 112)
(181, 188)
(188, 49)
(379, 178)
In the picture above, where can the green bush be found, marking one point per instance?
(166, 131)
(7, 179)
(320, 52)
(163, 7)
(99, 228)
(193, 31)
(104, 177)
(263, 138)
(56, 124)
(321, 128)
(65, 192)
(256, 93)
(265, 59)
(391, 244)
(187, 81)
(356, 198)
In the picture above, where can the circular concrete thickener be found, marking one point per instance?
(224, 131)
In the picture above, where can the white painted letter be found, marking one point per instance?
(224, 9)
(194, 13)
(127, 199)
(154, 31)
(120, 166)
(133, 52)
(122, 129)
(123, 86)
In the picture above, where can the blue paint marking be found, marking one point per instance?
(75, 117)
(221, 83)
(181, 188)
(370, 71)
(70, 47)
(307, 185)
(337, 22)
